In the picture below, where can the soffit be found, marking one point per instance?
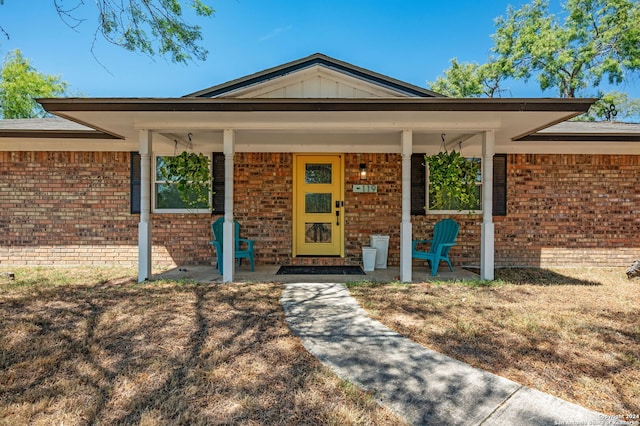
(510, 118)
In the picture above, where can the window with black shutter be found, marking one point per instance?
(419, 184)
(135, 177)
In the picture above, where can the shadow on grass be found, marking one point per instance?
(539, 276)
(160, 353)
(579, 343)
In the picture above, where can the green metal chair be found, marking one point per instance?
(444, 237)
(243, 246)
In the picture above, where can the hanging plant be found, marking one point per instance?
(190, 174)
(452, 181)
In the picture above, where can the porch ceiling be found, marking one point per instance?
(263, 122)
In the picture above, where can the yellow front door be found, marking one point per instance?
(318, 205)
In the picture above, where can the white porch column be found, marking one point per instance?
(144, 227)
(405, 226)
(228, 251)
(487, 249)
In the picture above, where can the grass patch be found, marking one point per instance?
(92, 346)
(573, 333)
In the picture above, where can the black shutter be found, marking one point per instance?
(135, 177)
(500, 185)
(217, 186)
(418, 184)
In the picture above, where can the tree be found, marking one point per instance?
(598, 39)
(612, 106)
(153, 27)
(468, 80)
(21, 83)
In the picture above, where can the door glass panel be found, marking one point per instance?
(317, 232)
(317, 203)
(317, 173)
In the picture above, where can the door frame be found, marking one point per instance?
(341, 182)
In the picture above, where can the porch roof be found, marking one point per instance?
(177, 117)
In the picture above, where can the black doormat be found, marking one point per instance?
(320, 270)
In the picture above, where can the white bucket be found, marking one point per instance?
(368, 259)
(381, 243)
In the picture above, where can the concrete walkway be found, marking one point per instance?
(423, 386)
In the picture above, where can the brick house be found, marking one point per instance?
(82, 188)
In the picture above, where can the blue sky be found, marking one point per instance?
(407, 40)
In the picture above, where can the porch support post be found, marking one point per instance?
(405, 226)
(228, 251)
(487, 249)
(144, 227)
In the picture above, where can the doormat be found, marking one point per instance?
(320, 270)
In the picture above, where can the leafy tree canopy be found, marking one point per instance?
(612, 106)
(21, 83)
(153, 27)
(595, 40)
(468, 80)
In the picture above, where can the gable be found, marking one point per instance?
(316, 76)
(316, 82)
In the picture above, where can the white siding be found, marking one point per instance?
(317, 82)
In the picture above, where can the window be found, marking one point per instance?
(166, 196)
(419, 185)
(453, 205)
(218, 185)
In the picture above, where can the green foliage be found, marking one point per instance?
(21, 84)
(190, 174)
(612, 106)
(598, 39)
(468, 80)
(153, 27)
(452, 181)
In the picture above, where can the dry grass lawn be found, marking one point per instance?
(94, 347)
(574, 333)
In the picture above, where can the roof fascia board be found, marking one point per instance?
(55, 134)
(569, 105)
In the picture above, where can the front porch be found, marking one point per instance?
(206, 274)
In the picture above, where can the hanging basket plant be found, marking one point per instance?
(453, 181)
(190, 174)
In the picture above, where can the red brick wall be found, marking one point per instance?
(263, 199)
(68, 208)
(570, 210)
(73, 207)
(380, 212)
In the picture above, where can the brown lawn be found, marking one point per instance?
(93, 347)
(574, 333)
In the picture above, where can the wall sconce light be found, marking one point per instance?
(363, 171)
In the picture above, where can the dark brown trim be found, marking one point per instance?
(55, 134)
(580, 137)
(570, 105)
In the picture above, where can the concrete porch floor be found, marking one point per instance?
(267, 274)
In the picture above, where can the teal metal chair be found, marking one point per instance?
(243, 246)
(444, 237)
